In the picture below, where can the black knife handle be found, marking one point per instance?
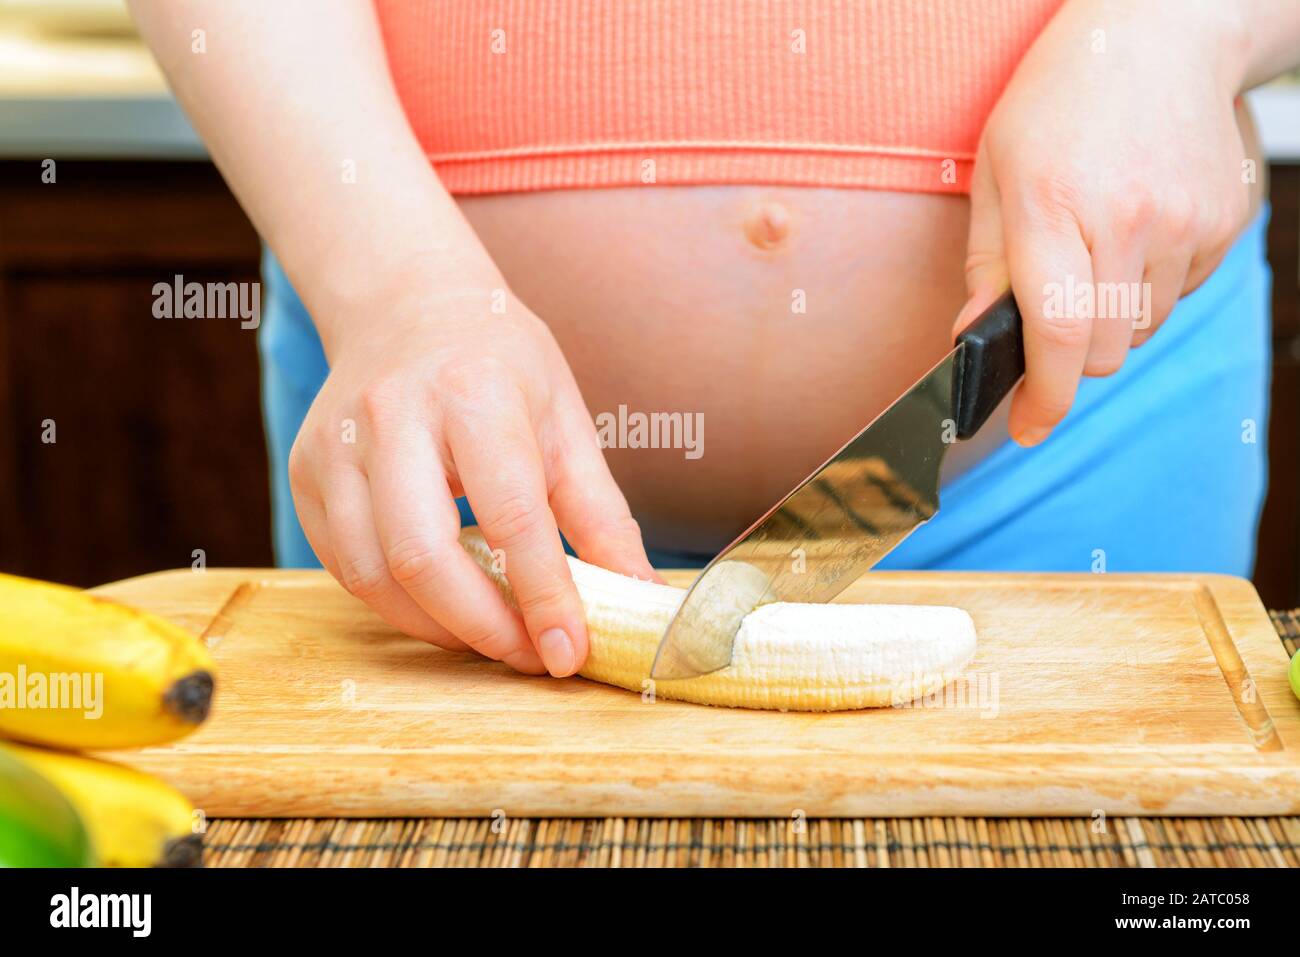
(990, 365)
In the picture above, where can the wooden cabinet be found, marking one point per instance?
(159, 447)
(1277, 567)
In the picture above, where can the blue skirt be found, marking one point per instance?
(1160, 467)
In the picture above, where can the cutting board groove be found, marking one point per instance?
(1089, 695)
(1240, 685)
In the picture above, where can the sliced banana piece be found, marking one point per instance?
(788, 657)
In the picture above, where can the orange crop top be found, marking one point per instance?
(508, 95)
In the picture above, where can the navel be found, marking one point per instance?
(767, 224)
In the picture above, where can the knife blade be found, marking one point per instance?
(853, 510)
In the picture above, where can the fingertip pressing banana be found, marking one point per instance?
(81, 671)
(134, 820)
(39, 827)
(787, 656)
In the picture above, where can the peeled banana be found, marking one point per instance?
(134, 820)
(38, 825)
(80, 671)
(791, 657)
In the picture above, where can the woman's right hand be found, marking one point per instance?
(431, 393)
(447, 397)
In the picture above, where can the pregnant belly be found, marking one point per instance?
(776, 321)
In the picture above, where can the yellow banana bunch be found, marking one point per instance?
(80, 671)
(134, 820)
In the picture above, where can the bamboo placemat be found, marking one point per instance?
(895, 842)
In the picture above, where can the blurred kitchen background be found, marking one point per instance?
(159, 447)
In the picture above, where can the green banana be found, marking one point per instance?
(134, 820)
(38, 825)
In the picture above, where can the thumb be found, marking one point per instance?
(987, 276)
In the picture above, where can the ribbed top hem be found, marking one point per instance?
(686, 166)
(510, 95)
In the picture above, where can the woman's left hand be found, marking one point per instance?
(1113, 160)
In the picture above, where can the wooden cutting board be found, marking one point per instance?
(1089, 694)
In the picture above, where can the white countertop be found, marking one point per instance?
(1277, 113)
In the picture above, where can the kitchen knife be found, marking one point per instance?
(853, 510)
